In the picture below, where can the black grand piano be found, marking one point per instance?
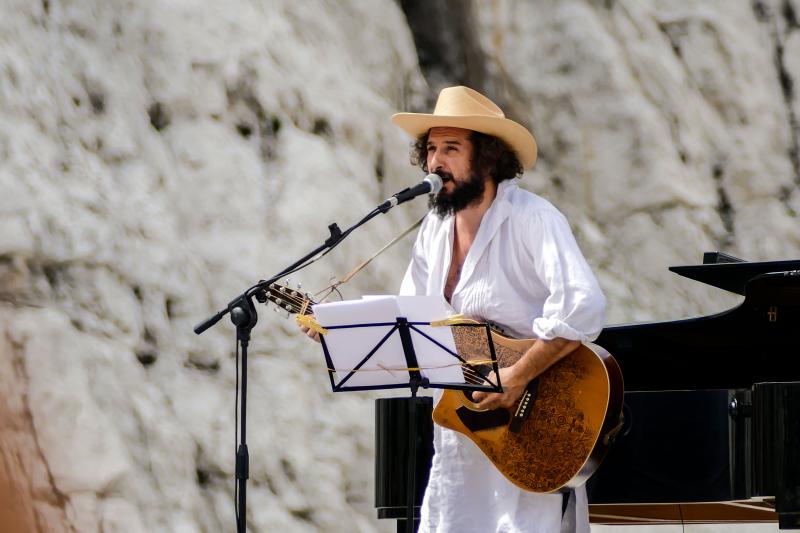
(712, 407)
(712, 412)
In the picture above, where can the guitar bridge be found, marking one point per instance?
(524, 407)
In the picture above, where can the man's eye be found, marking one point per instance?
(431, 148)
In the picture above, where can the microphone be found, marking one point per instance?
(431, 184)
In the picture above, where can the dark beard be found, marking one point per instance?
(463, 195)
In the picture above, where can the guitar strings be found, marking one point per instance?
(471, 376)
(415, 368)
(382, 368)
(297, 301)
(287, 295)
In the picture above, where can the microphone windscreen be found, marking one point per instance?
(436, 182)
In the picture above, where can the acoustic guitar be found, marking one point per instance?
(555, 436)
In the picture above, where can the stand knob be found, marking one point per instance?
(239, 316)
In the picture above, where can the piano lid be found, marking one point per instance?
(731, 273)
(751, 343)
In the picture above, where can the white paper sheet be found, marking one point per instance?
(349, 346)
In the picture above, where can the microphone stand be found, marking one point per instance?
(244, 317)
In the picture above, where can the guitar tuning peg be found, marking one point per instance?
(299, 286)
(288, 314)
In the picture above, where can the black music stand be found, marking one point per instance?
(404, 329)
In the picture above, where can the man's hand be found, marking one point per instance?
(313, 335)
(539, 357)
(513, 387)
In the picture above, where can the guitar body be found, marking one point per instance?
(575, 413)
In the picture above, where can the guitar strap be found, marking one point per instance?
(568, 512)
(347, 277)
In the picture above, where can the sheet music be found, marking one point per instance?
(348, 346)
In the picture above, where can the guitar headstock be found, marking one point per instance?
(287, 299)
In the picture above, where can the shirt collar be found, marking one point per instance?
(494, 217)
(505, 189)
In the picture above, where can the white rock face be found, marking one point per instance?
(664, 132)
(157, 158)
(156, 161)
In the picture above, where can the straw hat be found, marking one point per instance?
(462, 107)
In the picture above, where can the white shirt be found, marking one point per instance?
(525, 273)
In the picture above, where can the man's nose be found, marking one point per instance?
(434, 163)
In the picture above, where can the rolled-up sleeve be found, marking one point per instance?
(575, 306)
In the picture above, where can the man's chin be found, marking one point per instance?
(457, 196)
(441, 205)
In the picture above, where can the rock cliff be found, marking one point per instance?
(156, 158)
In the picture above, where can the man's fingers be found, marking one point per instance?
(310, 333)
(487, 404)
(484, 400)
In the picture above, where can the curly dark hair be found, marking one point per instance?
(489, 155)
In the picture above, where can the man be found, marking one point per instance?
(499, 254)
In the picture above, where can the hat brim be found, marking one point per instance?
(515, 135)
